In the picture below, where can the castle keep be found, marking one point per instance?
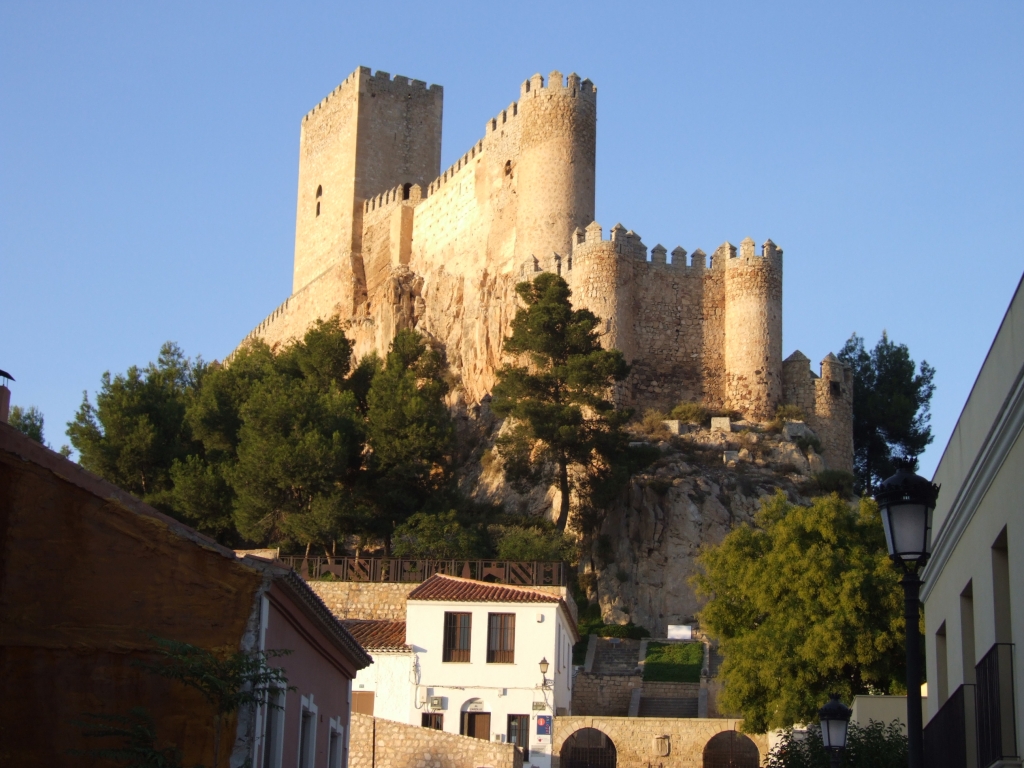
(386, 240)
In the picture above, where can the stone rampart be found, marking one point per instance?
(607, 695)
(650, 741)
(827, 403)
(386, 239)
(379, 743)
(364, 599)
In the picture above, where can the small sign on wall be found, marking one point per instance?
(544, 725)
(539, 706)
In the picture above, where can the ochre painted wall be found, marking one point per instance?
(87, 576)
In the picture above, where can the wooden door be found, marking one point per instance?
(477, 725)
(362, 702)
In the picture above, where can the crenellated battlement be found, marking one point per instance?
(387, 239)
(476, 150)
(408, 193)
(571, 86)
(381, 80)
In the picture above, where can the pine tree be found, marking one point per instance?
(564, 429)
(891, 407)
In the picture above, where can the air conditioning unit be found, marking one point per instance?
(437, 702)
(499, 737)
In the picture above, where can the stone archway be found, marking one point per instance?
(731, 749)
(587, 748)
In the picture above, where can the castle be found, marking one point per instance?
(385, 240)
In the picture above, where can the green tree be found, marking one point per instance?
(525, 544)
(137, 429)
(437, 536)
(563, 428)
(804, 603)
(891, 407)
(876, 745)
(409, 432)
(28, 421)
(300, 445)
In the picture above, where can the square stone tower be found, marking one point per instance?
(371, 133)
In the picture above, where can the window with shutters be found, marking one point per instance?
(501, 638)
(457, 628)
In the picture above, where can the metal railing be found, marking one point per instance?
(400, 570)
(997, 738)
(950, 738)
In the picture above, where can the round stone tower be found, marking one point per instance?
(555, 164)
(753, 328)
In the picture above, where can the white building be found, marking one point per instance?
(974, 584)
(387, 687)
(470, 663)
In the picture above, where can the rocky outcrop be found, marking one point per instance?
(704, 485)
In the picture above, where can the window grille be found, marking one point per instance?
(433, 720)
(456, 636)
(501, 638)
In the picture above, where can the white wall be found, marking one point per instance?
(982, 477)
(504, 689)
(391, 678)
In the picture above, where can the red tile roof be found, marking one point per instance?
(441, 587)
(378, 635)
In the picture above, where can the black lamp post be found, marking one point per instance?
(835, 719)
(906, 501)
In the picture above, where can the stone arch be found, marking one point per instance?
(731, 749)
(587, 748)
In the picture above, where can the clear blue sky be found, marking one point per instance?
(148, 159)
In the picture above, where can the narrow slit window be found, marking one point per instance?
(319, 194)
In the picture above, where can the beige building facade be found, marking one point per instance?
(387, 240)
(974, 584)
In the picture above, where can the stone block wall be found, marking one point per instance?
(607, 695)
(636, 739)
(665, 690)
(364, 599)
(827, 403)
(379, 743)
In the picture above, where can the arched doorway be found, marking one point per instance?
(588, 748)
(731, 749)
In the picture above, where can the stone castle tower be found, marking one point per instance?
(386, 240)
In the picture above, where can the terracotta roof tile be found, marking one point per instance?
(441, 587)
(378, 635)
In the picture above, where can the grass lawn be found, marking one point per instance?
(674, 662)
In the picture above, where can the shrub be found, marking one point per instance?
(627, 631)
(516, 542)
(835, 481)
(674, 662)
(651, 424)
(807, 443)
(784, 413)
(876, 745)
(438, 536)
(691, 413)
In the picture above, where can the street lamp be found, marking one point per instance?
(544, 671)
(835, 718)
(906, 501)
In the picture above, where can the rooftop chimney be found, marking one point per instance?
(5, 396)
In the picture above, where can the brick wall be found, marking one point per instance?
(379, 743)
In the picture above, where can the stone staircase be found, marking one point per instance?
(664, 707)
(616, 656)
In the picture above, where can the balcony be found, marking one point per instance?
(399, 570)
(997, 737)
(950, 738)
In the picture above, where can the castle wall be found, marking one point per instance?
(753, 329)
(370, 134)
(827, 403)
(400, 244)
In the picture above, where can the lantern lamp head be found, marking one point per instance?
(544, 666)
(906, 501)
(835, 720)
